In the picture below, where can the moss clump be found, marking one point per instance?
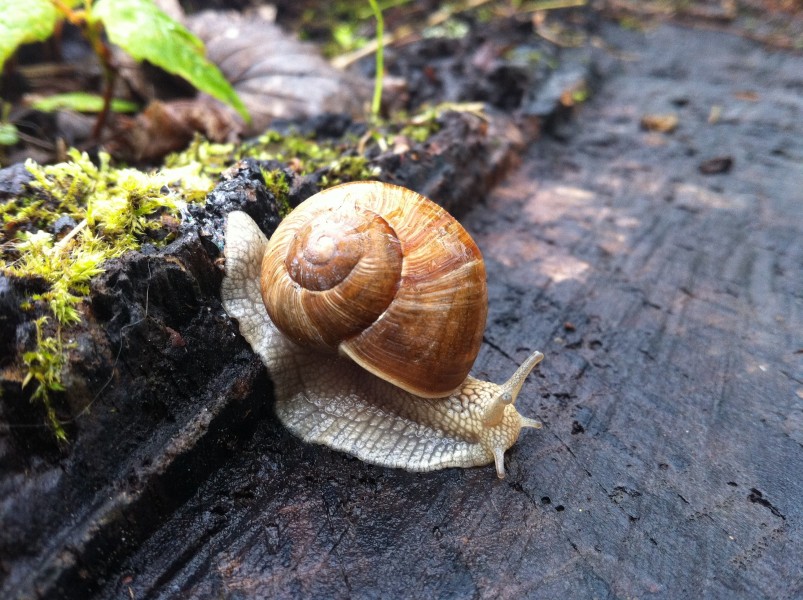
(209, 158)
(340, 160)
(45, 365)
(301, 153)
(347, 168)
(339, 26)
(277, 184)
(110, 211)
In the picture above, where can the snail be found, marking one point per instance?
(368, 307)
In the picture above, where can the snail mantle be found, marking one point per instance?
(368, 307)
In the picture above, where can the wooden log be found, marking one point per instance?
(668, 305)
(667, 302)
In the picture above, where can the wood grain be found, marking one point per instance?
(668, 305)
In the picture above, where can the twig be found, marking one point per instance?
(551, 5)
(62, 243)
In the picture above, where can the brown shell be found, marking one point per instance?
(385, 276)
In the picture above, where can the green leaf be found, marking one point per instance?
(81, 102)
(8, 134)
(146, 33)
(24, 21)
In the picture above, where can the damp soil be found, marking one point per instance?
(658, 271)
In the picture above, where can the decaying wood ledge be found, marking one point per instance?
(668, 303)
(157, 411)
(179, 392)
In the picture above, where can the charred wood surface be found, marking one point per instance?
(667, 299)
(667, 302)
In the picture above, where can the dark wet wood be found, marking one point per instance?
(668, 304)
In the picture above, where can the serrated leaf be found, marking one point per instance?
(23, 22)
(81, 102)
(140, 28)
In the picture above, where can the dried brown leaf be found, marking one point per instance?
(276, 75)
(666, 123)
(165, 127)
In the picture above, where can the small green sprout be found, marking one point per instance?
(379, 67)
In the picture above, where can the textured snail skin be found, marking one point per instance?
(328, 399)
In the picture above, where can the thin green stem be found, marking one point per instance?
(376, 103)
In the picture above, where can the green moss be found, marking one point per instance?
(303, 154)
(580, 95)
(632, 23)
(114, 210)
(340, 26)
(345, 38)
(341, 160)
(421, 126)
(209, 159)
(276, 183)
(45, 365)
(454, 29)
(524, 56)
(348, 168)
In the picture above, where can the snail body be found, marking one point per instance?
(367, 307)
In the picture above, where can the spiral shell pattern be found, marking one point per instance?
(385, 276)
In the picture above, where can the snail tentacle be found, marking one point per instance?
(509, 390)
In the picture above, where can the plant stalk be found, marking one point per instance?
(376, 103)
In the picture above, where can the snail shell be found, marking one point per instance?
(384, 276)
(368, 307)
